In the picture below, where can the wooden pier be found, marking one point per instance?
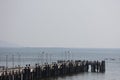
(59, 68)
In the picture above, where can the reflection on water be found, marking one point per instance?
(30, 55)
(80, 76)
(112, 73)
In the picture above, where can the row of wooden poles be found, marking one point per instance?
(60, 68)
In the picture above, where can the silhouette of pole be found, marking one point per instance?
(13, 61)
(19, 59)
(50, 58)
(68, 55)
(6, 62)
(62, 55)
(42, 57)
(46, 57)
(0, 60)
(65, 56)
(71, 56)
(38, 60)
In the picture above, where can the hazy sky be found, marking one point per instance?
(61, 23)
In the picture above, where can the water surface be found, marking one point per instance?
(31, 56)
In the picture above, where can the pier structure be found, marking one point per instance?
(59, 68)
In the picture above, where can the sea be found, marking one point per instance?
(12, 57)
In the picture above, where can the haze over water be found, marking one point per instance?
(85, 29)
(34, 55)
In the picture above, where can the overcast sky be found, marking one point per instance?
(61, 23)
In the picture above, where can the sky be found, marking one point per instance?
(61, 23)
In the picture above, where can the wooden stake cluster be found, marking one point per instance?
(51, 70)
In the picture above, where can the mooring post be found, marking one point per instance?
(103, 66)
(6, 63)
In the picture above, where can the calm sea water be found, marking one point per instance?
(22, 56)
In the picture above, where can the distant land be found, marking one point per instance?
(7, 44)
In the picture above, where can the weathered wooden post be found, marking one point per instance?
(25, 74)
(93, 66)
(103, 66)
(2, 76)
(12, 73)
(86, 66)
(98, 66)
(39, 72)
(28, 72)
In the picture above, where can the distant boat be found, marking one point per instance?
(106, 59)
(112, 59)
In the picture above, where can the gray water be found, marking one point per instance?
(31, 56)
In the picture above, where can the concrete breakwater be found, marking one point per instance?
(58, 68)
